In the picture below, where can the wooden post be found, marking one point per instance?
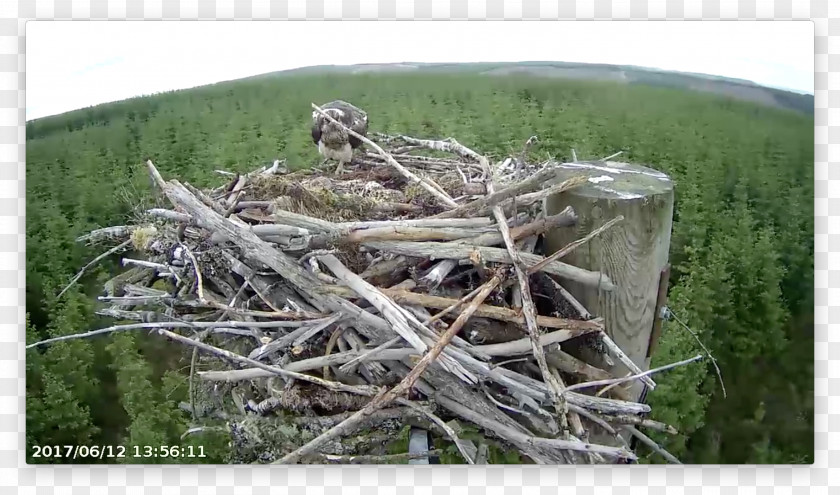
(632, 253)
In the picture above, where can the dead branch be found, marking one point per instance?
(653, 445)
(93, 262)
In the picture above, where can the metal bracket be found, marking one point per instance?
(661, 311)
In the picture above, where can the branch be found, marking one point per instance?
(93, 262)
(653, 445)
(573, 245)
(625, 359)
(615, 381)
(107, 233)
(169, 324)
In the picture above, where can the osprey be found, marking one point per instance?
(333, 141)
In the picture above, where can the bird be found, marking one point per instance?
(333, 141)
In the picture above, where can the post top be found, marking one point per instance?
(617, 180)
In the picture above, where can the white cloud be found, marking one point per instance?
(75, 64)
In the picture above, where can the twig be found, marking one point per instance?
(525, 344)
(594, 418)
(531, 184)
(653, 445)
(170, 324)
(582, 311)
(616, 351)
(369, 354)
(330, 344)
(509, 361)
(198, 280)
(150, 264)
(573, 245)
(93, 262)
(610, 157)
(625, 419)
(452, 307)
(292, 338)
(708, 352)
(598, 383)
(106, 233)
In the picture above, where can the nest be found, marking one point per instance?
(332, 310)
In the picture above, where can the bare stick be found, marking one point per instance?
(573, 420)
(625, 419)
(582, 311)
(156, 177)
(573, 245)
(530, 315)
(198, 280)
(106, 233)
(528, 306)
(653, 445)
(166, 324)
(172, 215)
(610, 157)
(708, 352)
(453, 307)
(96, 260)
(593, 417)
(292, 338)
(425, 183)
(346, 367)
(598, 383)
(523, 345)
(616, 351)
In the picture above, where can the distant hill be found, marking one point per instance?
(740, 89)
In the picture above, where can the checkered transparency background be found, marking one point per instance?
(426, 479)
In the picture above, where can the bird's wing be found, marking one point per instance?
(360, 123)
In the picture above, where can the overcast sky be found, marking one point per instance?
(74, 64)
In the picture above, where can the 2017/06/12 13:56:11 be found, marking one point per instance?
(117, 451)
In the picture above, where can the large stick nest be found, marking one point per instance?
(299, 275)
